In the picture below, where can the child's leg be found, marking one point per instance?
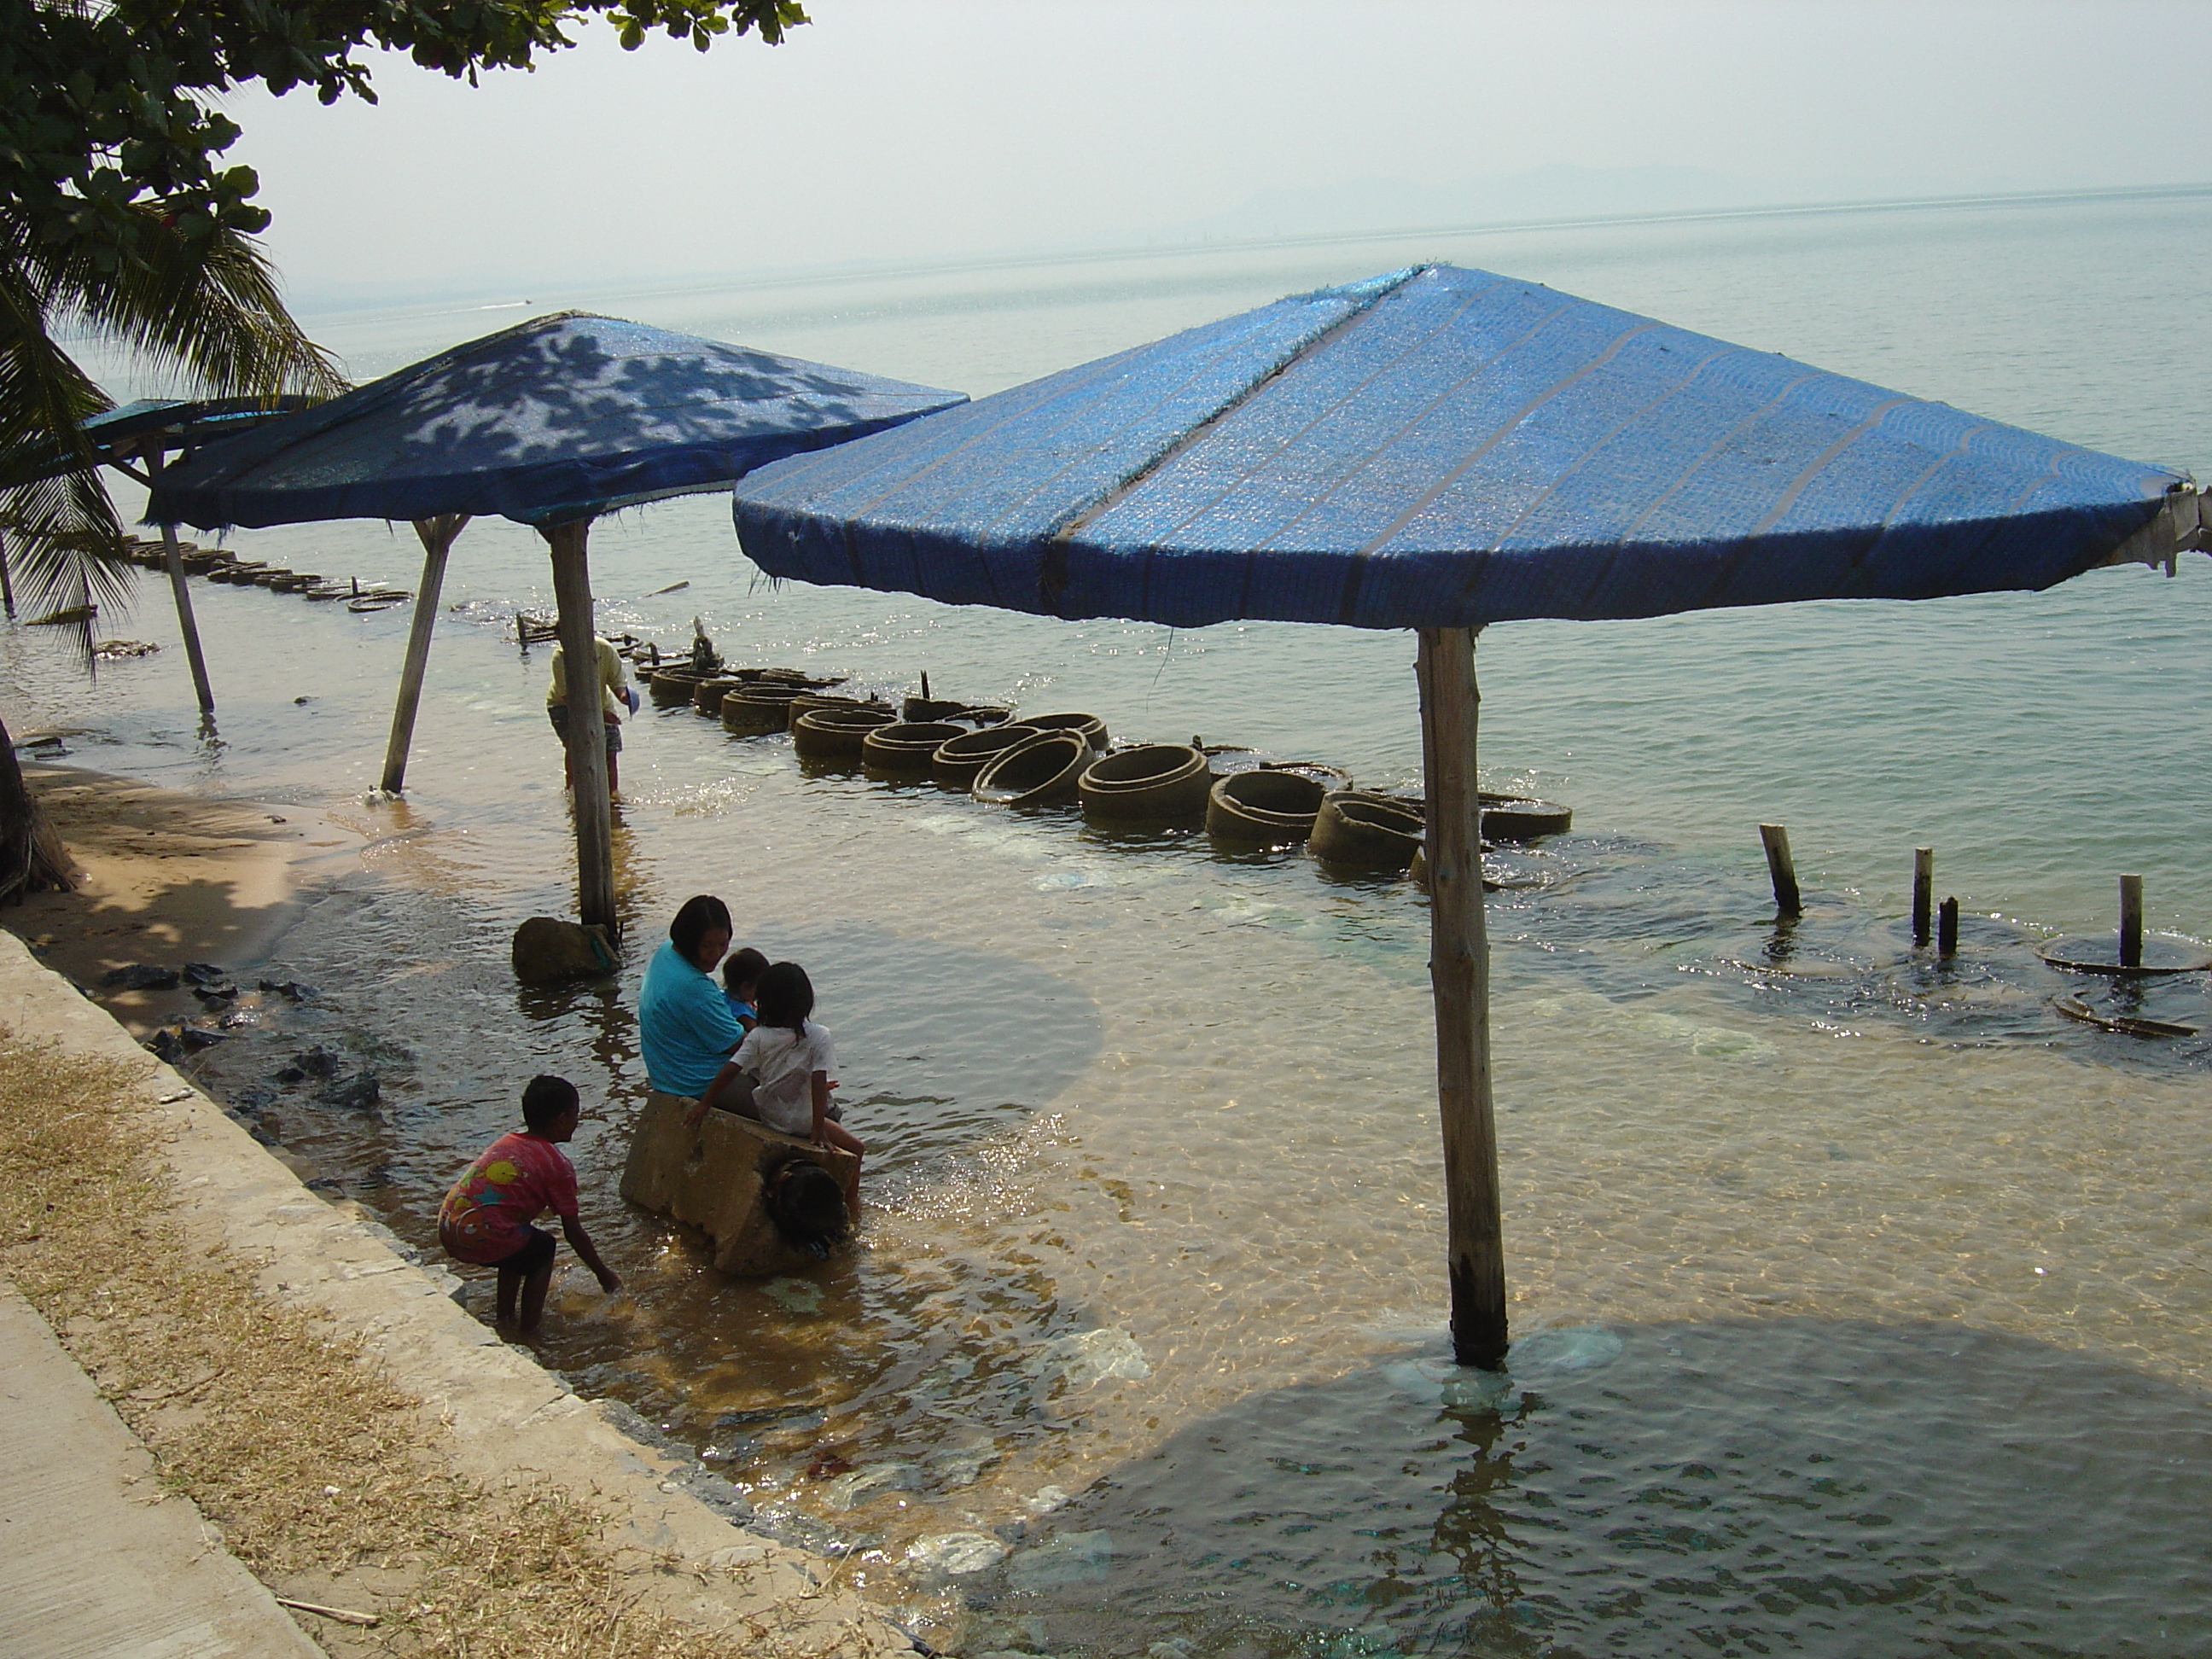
(510, 1283)
(533, 1295)
(836, 1134)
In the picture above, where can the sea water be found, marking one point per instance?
(1859, 1299)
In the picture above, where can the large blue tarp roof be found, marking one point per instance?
(1442, 448)
(554, 419)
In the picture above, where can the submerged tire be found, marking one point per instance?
(958, 761)
(1156, 783)
(1365, 832)
(1089, 728)
(1039, 771)
(756, 708)
(707, 694)
(670, 686)
(1517, 817)
(836, 734)
(905, 748)
(1268, 806)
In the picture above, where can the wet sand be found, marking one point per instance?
(169, 878)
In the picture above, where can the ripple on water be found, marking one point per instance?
(1794, 1486)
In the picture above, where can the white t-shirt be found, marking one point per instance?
(783, 1065)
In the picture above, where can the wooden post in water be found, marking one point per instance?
(437, 538)
(7, 581)
(1780, 870)
(587, 743)
(1459, 974)
(2130, 922)
(1923, 892)
(1947, 929)
(180, 589)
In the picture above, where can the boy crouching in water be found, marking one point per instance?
(485, 1219)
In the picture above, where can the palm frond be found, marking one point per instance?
(211, 306)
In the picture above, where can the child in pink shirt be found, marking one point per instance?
(486, 1218)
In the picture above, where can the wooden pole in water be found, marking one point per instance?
(2130, 922)
(587, 751)
(437, 537)
(1459, 974)
(1923, 892)
(1947, 928)
(7, 581)
(1780, 870)
(180, 589)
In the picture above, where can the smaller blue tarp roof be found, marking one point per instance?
(553, 420)
(1442, 448)
(117, 435)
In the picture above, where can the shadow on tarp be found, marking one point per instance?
(1786, 1486)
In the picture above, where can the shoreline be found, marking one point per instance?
(486, 1407)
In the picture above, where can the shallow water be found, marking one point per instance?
(1153, 1143)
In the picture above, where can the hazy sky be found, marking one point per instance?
(918, 129)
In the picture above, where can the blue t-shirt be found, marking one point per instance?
(740, 1007)
(684, 1026)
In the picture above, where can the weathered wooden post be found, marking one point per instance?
(1947, 928)
(180, 589)
(1780, 870)
(437, 538)
(7, 581)
(2130, 922)
(588, 749)
(1459, 974)
(1923, 892)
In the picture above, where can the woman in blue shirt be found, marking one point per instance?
(685, 1026)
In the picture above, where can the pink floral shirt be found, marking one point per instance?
(518, 1178)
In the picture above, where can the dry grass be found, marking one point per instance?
(319, 1470)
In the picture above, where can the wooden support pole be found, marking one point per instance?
(587, 750)
(1780, 869)
(437, 538)
(1947, 928)
(1923, 892)
(7, 581)
(1459, 974)
(2130, 922)
(180, 589)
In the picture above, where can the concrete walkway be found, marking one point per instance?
(94, 1561)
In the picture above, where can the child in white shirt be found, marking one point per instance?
(789, 1058)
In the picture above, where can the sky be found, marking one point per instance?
(910, 130)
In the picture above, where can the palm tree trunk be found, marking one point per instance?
(32, 857)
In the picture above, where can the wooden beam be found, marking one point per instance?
(587, 750)
(180, 590)
(7, 581)
(1459, 974)
(437, 538)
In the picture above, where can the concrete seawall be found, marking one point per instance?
(501, 1416)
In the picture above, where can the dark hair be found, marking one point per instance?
(741, 965)
(547, 1100)
(694, 921)
(805, 1204)
(785, 997)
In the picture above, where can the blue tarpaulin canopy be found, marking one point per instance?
(1443, 447)
(1440, 449)
(554, 419)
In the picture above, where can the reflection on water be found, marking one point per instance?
(1793, 1486)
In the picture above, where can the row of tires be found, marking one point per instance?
(219, 566)
(1051, 760)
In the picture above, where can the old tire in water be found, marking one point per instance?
(1517, 817)
(756, 708)
(707, 695)
(1089, 728)
(1266, 806)
(668, 687)
(905, 748)
(1155, 783)
(837, 733)
(958, 760)
(1039, 771)
(1362, 831)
